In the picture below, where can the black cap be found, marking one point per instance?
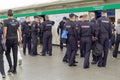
(81, 16)
(36, 16)
(10, 12)
(104, 11)
(72, 15)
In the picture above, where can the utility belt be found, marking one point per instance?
(12, 37)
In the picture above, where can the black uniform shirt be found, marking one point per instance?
(86, 29)
(105, 29)
(61, 27)
(71, 28)
(47, 25)
(34, 28)
(26, 29)
(12, 26)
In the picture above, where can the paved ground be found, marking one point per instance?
(52, 68)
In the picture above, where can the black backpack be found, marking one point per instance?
(97, 49)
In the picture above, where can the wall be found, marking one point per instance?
(117, 15)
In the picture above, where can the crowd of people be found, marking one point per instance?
(81, 34)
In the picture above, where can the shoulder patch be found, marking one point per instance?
(105, 21)
(85, 26)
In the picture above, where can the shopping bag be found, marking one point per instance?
(19, 57)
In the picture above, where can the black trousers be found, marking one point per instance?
(1, 62)
(47, 43)
(12, 44)
(115, 52)
(26, 44)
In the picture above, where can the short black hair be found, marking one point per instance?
(36, 16)
(64, 18)
(71, 15)
(10, 12)
(104, 11)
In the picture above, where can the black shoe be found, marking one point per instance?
(10, 70)
(42, 55)
(65, 61)
(75, 62)
(86, 67)
(99, 65)
(93, 62)
(37, 54)
(114, 56)
(72, 65)
(14, 72)
(24, 53)
(3, 76)
(81, 56)
(50, 54)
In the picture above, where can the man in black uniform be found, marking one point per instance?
(10, 35)
(26, 31)
(47, 36)
(105, 33)
(61, 27)
(72, 40)
(40, 33)
(1, 52)
(34, 35)
(94, 22)
(86, 33)
(81, 50)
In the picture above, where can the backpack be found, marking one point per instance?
(97, 49)
(64, 36)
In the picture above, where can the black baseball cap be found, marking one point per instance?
(36, 16)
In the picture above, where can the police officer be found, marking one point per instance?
(1, 52)
(86, 33)
(10, 35)
(117, 28)
(105, 33)
(72, 40)
(26, 30)
(47, 36)
(81, 50)
(40, 33)
(61, 27)
(94, 22)
(34, 36)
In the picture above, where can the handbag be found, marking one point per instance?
(97, 49)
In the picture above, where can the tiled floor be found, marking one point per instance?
(52, 68)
